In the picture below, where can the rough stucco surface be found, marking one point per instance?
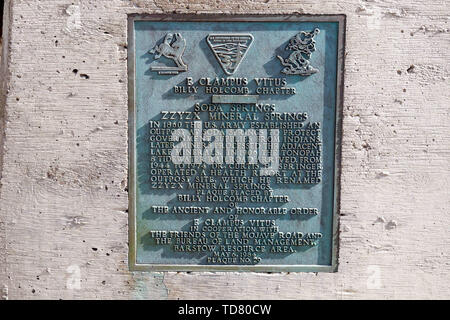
(63, 196)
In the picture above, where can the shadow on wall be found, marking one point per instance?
(2, 3)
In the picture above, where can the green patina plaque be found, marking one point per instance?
(234, 142)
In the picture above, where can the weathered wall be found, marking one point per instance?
(63, 196)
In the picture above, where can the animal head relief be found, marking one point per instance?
(302, 46)
(172, 48)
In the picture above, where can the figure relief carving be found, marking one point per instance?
(172, 48)
(302, 46)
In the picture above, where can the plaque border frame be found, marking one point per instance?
(182, 17)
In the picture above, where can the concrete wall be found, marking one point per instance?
(63, 196)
